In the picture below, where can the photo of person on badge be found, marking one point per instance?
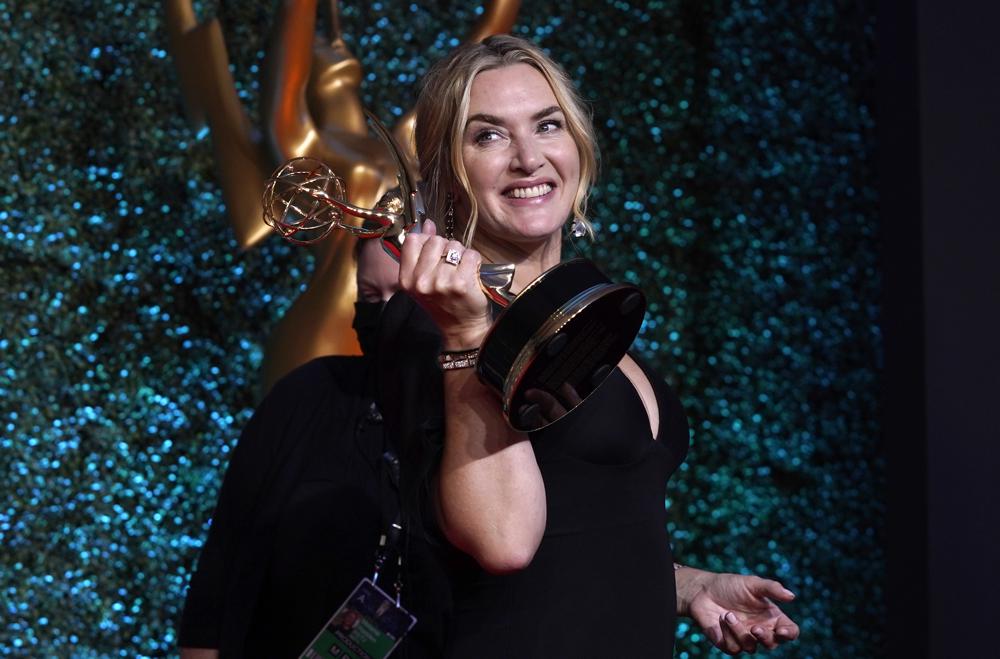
(346, 621)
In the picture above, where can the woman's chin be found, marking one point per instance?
(534, 237)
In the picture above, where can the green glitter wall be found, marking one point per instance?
(737, 190)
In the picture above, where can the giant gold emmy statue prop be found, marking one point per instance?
(309, 107)
(551, 346)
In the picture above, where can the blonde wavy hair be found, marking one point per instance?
(443, 109)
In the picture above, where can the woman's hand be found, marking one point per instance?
(737, 612)
(450, 293)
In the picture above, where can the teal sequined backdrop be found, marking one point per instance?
(737, 190)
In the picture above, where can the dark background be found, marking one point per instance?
(939, 93)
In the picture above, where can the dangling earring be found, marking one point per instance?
(449, 217)
(578, 229)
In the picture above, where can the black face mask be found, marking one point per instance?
(366, 317)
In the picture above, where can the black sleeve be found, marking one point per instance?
(204, 605)
(409, 391)
(263, 467)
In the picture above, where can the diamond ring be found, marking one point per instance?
(452, 257)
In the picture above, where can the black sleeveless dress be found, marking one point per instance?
(601, 583)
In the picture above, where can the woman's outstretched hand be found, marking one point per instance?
(737, 612)
(443, 276)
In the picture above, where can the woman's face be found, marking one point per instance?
(522, 161)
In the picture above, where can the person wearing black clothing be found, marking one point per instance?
(556, 541)
(309, 490)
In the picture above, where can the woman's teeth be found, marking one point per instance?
(533, 191)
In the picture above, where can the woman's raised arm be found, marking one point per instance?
(490, 494)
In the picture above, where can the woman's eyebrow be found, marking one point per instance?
(541, 114)
(493, 119)
(485, 118)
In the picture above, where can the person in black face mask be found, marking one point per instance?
(378, 279)
(309, 490)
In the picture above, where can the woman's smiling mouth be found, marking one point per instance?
(529, 192)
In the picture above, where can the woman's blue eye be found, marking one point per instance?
(487, 136)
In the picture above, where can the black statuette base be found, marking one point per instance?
(558, 341)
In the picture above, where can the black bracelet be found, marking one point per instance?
(455, 359)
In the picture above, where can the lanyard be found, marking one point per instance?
(389, 540)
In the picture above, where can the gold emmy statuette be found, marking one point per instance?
(310, 107)
(552, 345)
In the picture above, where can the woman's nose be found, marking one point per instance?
(527, 157)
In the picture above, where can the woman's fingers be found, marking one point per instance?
(445, 267)
(728, 642)
(429, 269)
(551, 408)
(468, 270)
(785, 630)
(772, 589)
(764, 636)
(443, 276)
(410, 254)
(736, 635)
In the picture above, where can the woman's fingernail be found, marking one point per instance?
(731, 618)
